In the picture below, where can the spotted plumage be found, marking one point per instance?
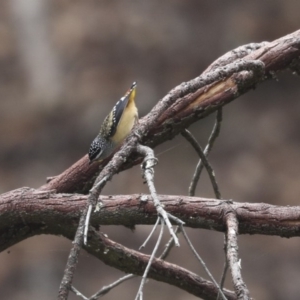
(116, 126)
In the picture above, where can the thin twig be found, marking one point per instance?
(144, 278)
(77, 293)
(175, 219)
(240, 287)
(109, 287)
(202, 262)
(223, 277)
(69, 271)
(90, 207)
(163, 256)
(150, 234)
(189, 137)
(170, 244)
(86, 223)
(72, 262)
(204, 162)
(226, 265)
(148, 164)
(214, 134)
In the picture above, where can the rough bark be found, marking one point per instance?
(192, 101)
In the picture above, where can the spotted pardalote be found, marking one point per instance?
(115, 127)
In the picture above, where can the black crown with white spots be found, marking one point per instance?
(95, 149)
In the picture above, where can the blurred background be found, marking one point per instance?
(64, 64)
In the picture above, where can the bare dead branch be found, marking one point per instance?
(87, 223)
(78, 293)
(192, 104)
(148, 164)
(213, 136)
(26, 212)
(223, 277)
(222, 82)
(106, 174)
(163, 256)
(150, 234)
(204, 162)
(220, 292)
(211, 140)
(145, 275)
(173, 273)
(235, 54)
(91, 204)
(72, 261)
(109, 287)
(31, 212)
(191, 139)
(186, 98)
(233, 259)
(81, 231)
(225, 268)
(170, 244)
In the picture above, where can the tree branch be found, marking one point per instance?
(26, 212)
(191, 101)
(233, 258)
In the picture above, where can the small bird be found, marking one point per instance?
(115, 127)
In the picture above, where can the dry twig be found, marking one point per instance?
(240, 287)
(148, 164)
(202, 263)
(144, 278)
(213, 136)
(188, 102)
(203, 160)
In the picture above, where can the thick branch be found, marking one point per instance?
(191, 101)
(25, 210)
(120, 257)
